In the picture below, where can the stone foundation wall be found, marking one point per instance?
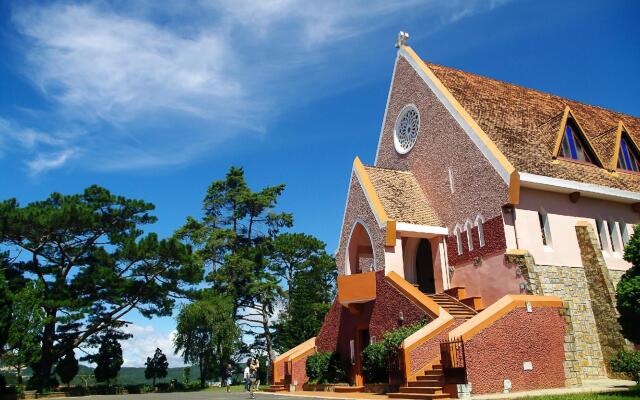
(581, 344)
(602, 292)
(615, 275)
(593, 333)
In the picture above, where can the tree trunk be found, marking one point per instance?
(42, 369)
(154, 381)
(267, 334)
(202, 377)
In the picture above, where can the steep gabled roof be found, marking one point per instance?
(524, 123)
(401, 196)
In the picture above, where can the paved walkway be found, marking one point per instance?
(594, 386)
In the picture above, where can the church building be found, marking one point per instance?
(496, 214)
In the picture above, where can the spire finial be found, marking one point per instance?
(402, 39)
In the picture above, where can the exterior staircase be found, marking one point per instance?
(453, 306)
(430, 385)
(277, 387)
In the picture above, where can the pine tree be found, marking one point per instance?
(108, 359)
(156, 366)
(67, 368)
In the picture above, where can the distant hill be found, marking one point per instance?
(127, 375)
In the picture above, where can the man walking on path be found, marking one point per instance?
(247, 375)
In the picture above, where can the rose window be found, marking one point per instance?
(407, 129)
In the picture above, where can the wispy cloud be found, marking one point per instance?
(45, 162)
(161, 84)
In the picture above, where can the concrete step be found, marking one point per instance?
(275, 388)
(422, 389)
(430, 375)
(401, 395)
(427, 382)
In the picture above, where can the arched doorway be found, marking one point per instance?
(360, 255)
(424, 267)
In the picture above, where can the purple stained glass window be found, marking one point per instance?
(628, 158)
(573, 146)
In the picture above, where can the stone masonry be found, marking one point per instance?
(602, 292)
(592, 335)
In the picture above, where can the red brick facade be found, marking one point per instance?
(499, 351)
(494, 242)
(441, 144)
(380, 316)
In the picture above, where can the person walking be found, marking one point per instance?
(253, 377)
(228, 375)
(247, 375)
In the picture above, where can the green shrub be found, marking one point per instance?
(375, 357)
(627, 362)
(374, 363)
(325, 367)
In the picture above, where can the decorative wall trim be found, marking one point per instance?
(415, 230)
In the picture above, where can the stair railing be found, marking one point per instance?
(453, 361)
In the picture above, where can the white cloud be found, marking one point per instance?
(45, 162)
(43, 151)
(144, 343)
(152, 84)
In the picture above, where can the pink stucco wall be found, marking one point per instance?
(358, 210)
(441, 143)
(491, 279)
(499, 351)
(563, 216)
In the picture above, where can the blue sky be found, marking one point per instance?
(154, 100)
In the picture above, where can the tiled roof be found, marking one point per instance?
(402, 198)
(524, 124)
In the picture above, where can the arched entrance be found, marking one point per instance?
(424, 267)
(360, 255)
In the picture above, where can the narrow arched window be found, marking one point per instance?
(458, 234)
(545, 229)
(613, 235)
(479, 225)
(602, 235)
(624, 229)
(468, 226)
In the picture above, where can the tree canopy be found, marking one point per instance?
(95, 264)
(156, 366)
(628, 291)
(207, 335)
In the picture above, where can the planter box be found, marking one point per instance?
(322, 387)
(380, 388)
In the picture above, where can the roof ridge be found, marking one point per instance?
(429, 64)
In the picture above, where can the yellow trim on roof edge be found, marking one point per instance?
(514, 179)
(616, 151)
(563, 125)
(375, 203)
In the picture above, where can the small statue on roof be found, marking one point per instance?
(402, 39)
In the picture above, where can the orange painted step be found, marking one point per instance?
(400, 395)
(422, 389)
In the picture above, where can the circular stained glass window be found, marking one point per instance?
(406, 130)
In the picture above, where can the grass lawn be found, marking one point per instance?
(632, 393)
